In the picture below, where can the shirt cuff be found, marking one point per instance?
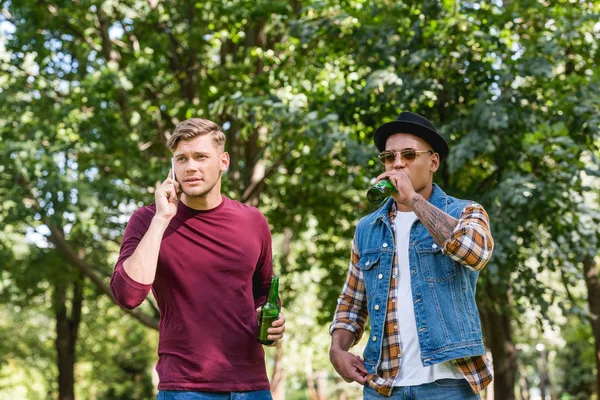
(350, 326)
(133, 283)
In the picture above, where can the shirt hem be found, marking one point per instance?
(417, 382)
(213, 387)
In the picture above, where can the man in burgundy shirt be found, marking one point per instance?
(208, 261)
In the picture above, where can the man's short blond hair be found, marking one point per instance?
(192, 128)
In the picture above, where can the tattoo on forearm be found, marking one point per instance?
(439, 224)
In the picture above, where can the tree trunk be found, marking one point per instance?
(592, 283)
(310, 380)
(340, 394)
(66, 336)
(321, 378)
(542, 373)
(523, 385)
(316, 382)
(278, 380)
(499, 340)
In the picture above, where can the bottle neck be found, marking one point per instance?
(273, 290)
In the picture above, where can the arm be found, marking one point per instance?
(261, 281)
(439, 224)
(351, 311)
(467, 240)
(136, 267)
(348, 325)
(126, 291)
(141, 266)
(471, 242)
(342, 340)
(350, 367)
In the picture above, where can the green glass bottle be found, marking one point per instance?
(269, 312)
(380, 191)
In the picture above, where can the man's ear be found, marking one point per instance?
(434, 162)
(225, 161)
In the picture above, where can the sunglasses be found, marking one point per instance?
(406, 155)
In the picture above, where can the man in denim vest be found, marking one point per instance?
(413, 272)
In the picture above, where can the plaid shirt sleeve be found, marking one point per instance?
(351, 311)
(471, 242)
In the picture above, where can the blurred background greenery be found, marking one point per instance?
(91, 89)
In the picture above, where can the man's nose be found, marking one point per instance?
(191, 166)
(398, 161)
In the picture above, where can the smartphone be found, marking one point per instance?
(173, 169)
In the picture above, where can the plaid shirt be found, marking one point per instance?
(471, 245)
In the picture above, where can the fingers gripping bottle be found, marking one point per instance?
(269, 312)
(380, 191)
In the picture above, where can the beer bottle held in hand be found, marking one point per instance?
(380, 191)
(269, 312)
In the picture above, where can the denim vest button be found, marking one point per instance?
(380, 276)
(368, 262)
(374, 338)
(434, 246)
(376, 307)
(384, 245)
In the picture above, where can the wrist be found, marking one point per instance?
(335, 354)
(413, 200)
(337, 347)
(160, 222)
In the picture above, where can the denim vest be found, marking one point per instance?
(443, 290)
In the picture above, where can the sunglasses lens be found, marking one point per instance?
(387, 157)
(409, 154)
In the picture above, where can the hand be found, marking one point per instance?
(350, 367)
(166, 198)
(401, 181)
(277, 327)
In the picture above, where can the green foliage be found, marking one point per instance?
(116, 355)
(91, 90)
(576, 364)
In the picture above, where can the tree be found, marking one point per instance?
(92, 89)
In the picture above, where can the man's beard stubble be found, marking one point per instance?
(204, 192)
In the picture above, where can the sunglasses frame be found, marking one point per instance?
(388, 152)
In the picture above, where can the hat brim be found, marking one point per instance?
(386, 130)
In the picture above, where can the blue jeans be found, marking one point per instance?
(442, 389)
(188, 395)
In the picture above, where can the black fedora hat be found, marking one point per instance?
(408, 122)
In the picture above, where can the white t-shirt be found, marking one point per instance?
(412, 372)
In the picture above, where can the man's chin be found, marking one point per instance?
(195, 193)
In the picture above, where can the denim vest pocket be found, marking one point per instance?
(369, 265)
(435, 266)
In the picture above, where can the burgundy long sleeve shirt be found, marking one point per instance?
(214, 269)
